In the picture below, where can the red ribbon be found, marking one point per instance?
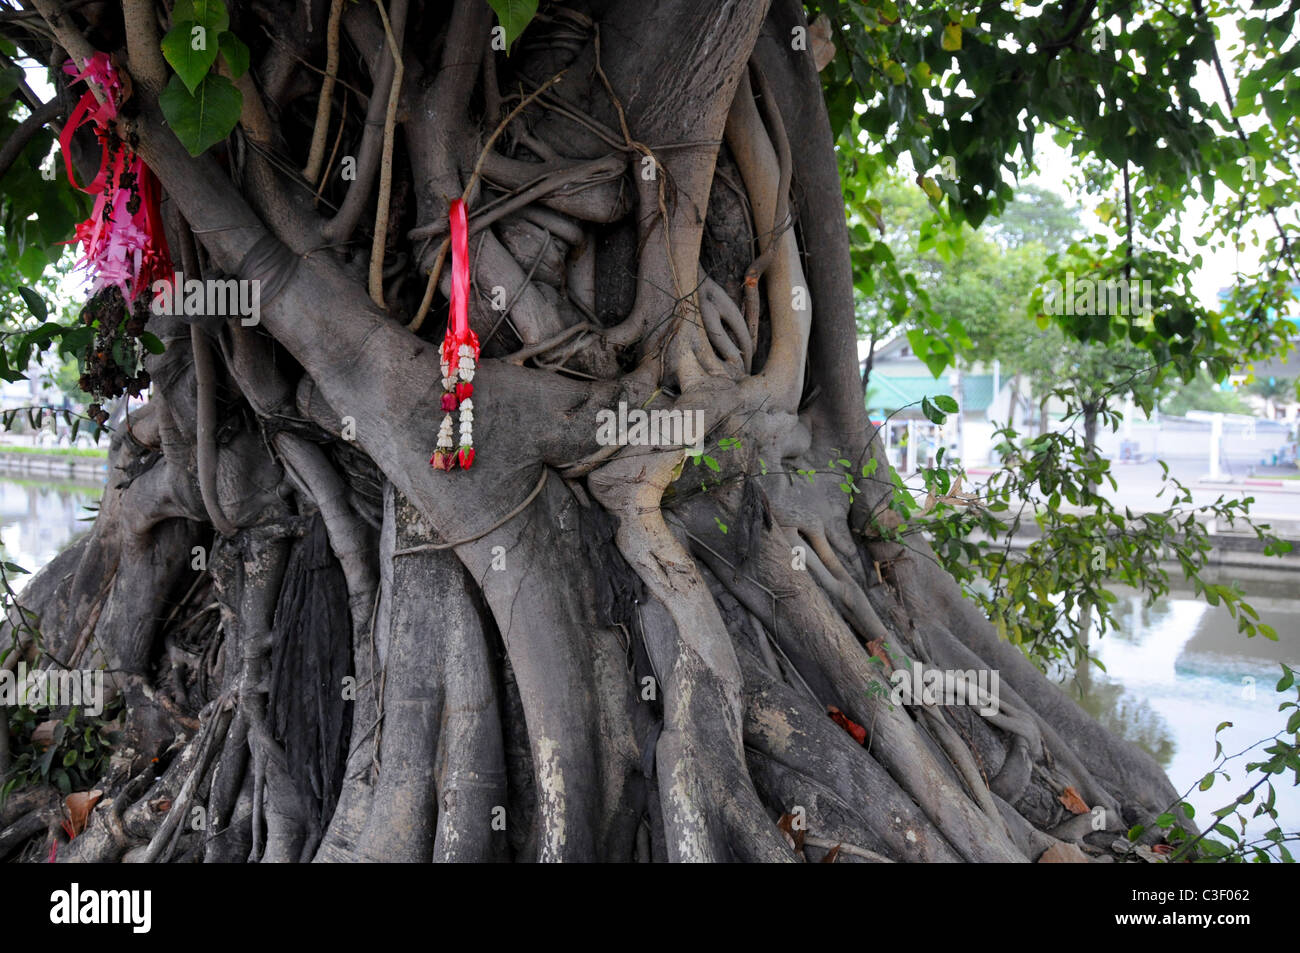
(459, 335)
(99, 69)
(123, 248)
(458, 330)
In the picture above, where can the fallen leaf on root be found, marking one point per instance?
(43, 734)
(79, 805)
(1073, 803)
(876, 647)
(1063, 854)
(852, 727)
(794, 835)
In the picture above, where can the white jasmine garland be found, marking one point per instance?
(444, 434)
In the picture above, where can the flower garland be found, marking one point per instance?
(459, 357)
(123, 242)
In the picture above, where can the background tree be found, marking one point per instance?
(1202, 393)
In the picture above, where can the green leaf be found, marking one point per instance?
(205, 118)
(191, 49)
(35, 304)
(1227, 831)
(151, 342)
(14, 567)
(32, 262)
(945, 403)
(1286, 681)
(952, 37)
(514, 16)
(235, 52)
(208, 13)
(936, 361)
(932, 413)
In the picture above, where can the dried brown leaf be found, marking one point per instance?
(1063, 854)
(43, 734)
(79, 804)
(1073, 803)
(794, 834)
(819, 39)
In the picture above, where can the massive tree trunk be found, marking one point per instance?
(572, 650)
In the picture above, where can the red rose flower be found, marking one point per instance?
(448, 402)
(464, 390)
(466, 457)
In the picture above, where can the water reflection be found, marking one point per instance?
(38, 519)
(1177, 669)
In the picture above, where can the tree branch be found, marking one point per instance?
(320, 133)
(142, 44)
(386, 162)
(341, 226)
(26, 131)
(70, 38)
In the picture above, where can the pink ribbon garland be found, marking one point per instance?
(119, 247)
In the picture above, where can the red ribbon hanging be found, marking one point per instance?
(99, 69)
(460, 351)
(120, 246)
(458, 331)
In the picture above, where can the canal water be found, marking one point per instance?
(1178, 669)
(38, 518)
(1174, 670)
